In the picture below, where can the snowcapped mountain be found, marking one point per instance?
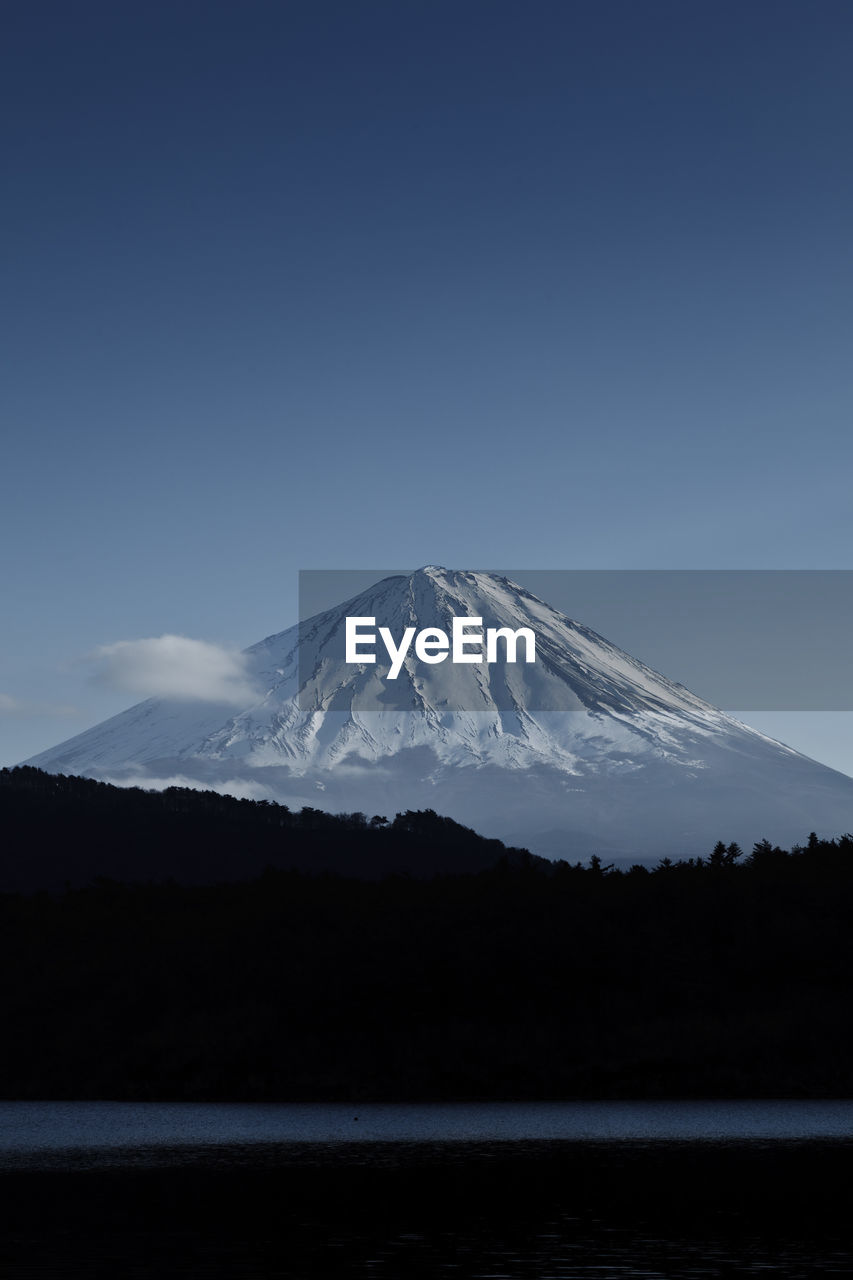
(584, 750)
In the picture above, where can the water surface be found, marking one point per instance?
(80, 1126)
(513, 1191)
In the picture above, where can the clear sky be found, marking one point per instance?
(548, 283)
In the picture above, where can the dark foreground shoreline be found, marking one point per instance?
(393, 1209)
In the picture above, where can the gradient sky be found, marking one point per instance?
(289, 285)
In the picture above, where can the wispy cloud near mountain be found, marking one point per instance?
(175, 667)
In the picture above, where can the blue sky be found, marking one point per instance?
(472, 283)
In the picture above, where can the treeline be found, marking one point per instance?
(57, 830)
(723, 976)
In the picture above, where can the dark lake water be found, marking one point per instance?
(38, 1128)
(544, 1191)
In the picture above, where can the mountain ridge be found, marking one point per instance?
(588, 737)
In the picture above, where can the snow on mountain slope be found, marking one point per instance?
(584, 750)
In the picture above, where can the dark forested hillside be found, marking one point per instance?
(57, 830)
(728, 976)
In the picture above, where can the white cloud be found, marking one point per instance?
(175, 667)
(19, 707)
(241, 788)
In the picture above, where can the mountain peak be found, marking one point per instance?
(585, 739)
